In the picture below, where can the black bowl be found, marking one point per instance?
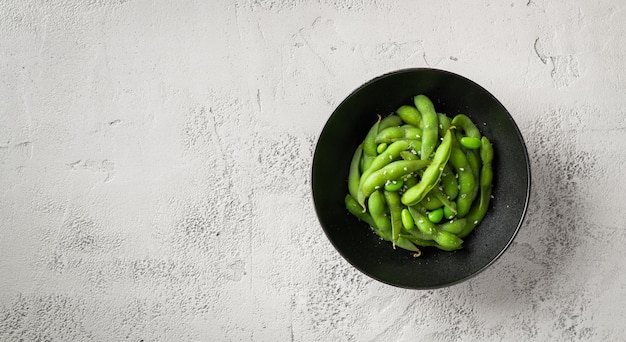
(346, 128)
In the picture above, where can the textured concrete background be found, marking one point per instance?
(155, 160)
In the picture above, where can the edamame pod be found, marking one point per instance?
(432, 173)
(444, 124)
(395, 209)
(480, 207)
(391, 153)
(410, 115)
(392, 171)
(445, 241)
(394, 185)
(443, 198)
(355, 209)
(430, 125)
(369, 144)
(449, 182)
(391, 134)
(453, 226)
(464, 200)
(465, 124)
(389, 121)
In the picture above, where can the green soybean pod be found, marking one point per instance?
(422, 223)
(449, 182)
(389, 121)
(474, 161)
(395, 209)
(480, 207)
(407, 245)
(391, 153)
(443, 198)
(392, 172)
(414, 146)
(430, 125)
(444, 124)
(447, 241)
(366, 162)
(369, 144)
(355, 209)
(431, 202)
(432, 173)
(377, 209)
(453, 226)
(406, 155)
(391, 134)
(466, 180)
(486, 151)
(465, 124)
(418, 240)
(394, 185)
(354, 176)
(410, 115)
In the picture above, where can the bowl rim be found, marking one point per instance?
(518, 134)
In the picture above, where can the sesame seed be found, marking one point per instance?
(406, 169)
(476, 222)
(461, 169)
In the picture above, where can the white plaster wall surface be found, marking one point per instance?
(155, 160)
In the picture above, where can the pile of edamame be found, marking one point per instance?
(421, 178)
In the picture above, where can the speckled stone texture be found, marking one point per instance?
(155, 165)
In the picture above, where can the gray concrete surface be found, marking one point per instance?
(155, 160)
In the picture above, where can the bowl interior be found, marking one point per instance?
(346, 128)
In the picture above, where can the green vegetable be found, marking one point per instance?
(391, 134)
(431, 175)
(395, 209)
(470, 142)
(436, 215)
(479, 208)
(420, 178)
(430, 125)
(392, 172)
(394, 185)
(410, 115)
(407, 219)
(381, 148)
(464, 200)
